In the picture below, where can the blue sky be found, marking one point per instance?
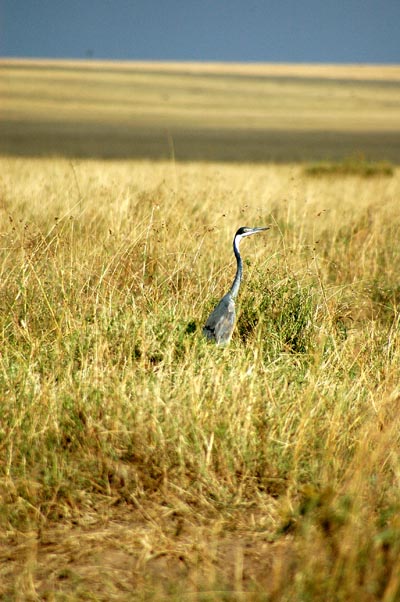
(321, 31)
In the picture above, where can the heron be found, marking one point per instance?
(221, 321)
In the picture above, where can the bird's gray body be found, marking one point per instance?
(221, 321)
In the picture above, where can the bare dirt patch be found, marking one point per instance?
(121, 554)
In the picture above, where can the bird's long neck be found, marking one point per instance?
(239, 270)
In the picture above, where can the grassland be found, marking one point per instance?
(201, 112)
(138, 461)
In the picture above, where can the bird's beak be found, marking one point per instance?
(255, 230)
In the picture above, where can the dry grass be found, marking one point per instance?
(389, 73)
(191, 99)
(199, 112)
(140, 462)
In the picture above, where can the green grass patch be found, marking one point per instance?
(351, 166)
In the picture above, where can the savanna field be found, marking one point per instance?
(137, 460)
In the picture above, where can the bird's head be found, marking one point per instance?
(244, 231)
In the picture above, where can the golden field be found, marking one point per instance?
(238, 113)
(140, 462)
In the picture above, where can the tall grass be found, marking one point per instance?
(139, 460)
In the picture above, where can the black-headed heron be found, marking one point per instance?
(220, 323)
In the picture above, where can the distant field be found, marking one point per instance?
(250, 113)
